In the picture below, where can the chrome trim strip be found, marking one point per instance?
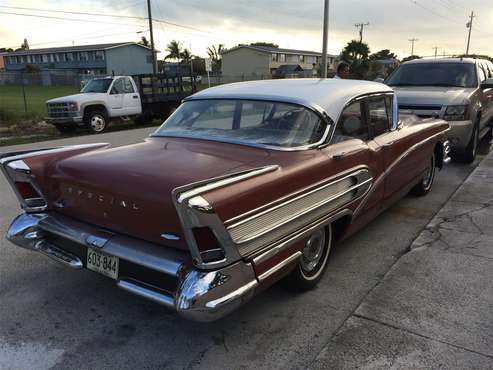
(189, 191)
(320, 184)
(238, 293)
(280, 266)
(160, 298)
(192, 213)
(308, 210)
(395, 163)
(301, 234)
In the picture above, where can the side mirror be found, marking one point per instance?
(380, 80)
(400, 125)
(487, 84)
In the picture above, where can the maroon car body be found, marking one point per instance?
(201, 223)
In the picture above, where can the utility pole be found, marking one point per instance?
(412, 41)
(469, 25)
(361, 27)
(436, 51)
(325, 39)
(154, 62)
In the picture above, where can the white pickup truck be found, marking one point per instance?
(102, 100)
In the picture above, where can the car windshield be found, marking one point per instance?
(100, 85)
(245, 122)
(434, 74)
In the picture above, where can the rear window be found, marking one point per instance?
(264, 123)
(435, 74)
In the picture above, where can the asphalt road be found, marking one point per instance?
(53, 317)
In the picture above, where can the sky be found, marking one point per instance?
(198, 24)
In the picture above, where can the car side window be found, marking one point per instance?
(379, 114)
(352, 124)
(129, 89)
(118, 87)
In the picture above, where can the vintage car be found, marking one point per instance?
(243, 185)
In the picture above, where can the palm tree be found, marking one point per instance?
(174, 50)
(215, 53)
(186, 56)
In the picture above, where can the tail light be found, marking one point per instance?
(22, 181)
(209, 247)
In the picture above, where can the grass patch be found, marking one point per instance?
(12, 100)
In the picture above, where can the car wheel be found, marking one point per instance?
(426, 183)
(472, 148)
(97, 121)
(65, 129)
(313, 261)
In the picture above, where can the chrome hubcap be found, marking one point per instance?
(98, 123)
(314, 251)
(428, 178)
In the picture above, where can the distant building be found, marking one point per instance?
(245, 60)
(118, 58)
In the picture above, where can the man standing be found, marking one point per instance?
(342, 71)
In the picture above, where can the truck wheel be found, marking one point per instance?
(472, 147)
(65, 129)
(313, 261)
(426, 183)
(97, 121)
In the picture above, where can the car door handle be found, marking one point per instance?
(339, 156)
(135, 96)
(386, 145)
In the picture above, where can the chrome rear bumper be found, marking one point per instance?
(194, 294)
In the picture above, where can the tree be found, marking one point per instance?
(25, 45)
(356, 54)
(412, 57)
(186, 56)
(383, 54)
(6, 50)
(265, 44)
(143, 41)
(174, 50)
(215, 53)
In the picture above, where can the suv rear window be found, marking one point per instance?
(435, 74)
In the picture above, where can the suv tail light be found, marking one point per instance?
(22, 181)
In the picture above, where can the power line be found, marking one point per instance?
(107, 15)
(69, 19)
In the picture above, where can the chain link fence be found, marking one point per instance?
(24, 95)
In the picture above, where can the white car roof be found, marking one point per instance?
(328, 96)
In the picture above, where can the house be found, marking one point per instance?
(2, 62)
(261, 61)
(117, 58)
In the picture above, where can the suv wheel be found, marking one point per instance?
(472, 148)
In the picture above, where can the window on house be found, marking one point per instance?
(70, 57)
(282, 58)
(99, 55)
(274, 57)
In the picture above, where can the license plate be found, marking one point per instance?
(103, 263)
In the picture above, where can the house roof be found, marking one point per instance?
(270, 50)
(324, 95)
(69, 49)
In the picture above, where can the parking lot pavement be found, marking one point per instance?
(433, 310)
(51, 317)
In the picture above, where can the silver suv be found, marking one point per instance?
(457, 90)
